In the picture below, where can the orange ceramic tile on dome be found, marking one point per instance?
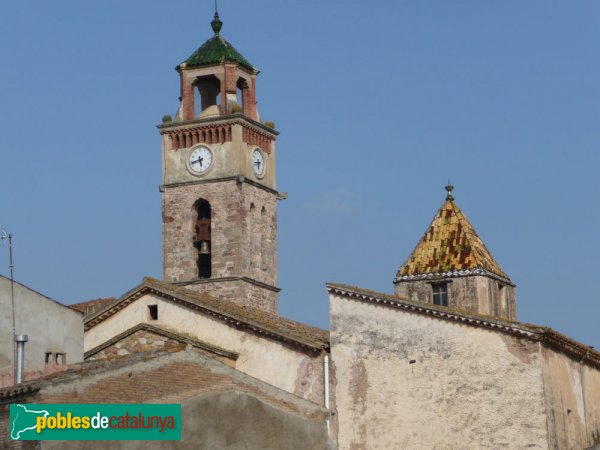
(450, 244)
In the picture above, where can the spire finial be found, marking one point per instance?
(216, 23)
(449, 187)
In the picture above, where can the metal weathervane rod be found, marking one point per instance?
(4, 235)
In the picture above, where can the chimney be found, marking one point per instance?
(20, 339)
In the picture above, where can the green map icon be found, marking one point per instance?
(23, 420)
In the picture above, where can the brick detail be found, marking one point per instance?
(252, 136)
(187, 98)
(231, 77)
(158, 380)
(249, 99)
(205, 134)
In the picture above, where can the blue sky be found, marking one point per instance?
(378, 104)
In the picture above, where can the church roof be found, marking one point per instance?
(91, 306)
(450, 247)
(216, 50)
(252, 319)
(578, 351)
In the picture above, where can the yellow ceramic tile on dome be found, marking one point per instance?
(450, 229)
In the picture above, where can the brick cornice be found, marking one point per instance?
(230, 119)
(226, 279)
(308, 341)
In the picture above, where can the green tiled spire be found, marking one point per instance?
(217, 50)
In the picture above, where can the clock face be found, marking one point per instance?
(258, 163)
(200, 160)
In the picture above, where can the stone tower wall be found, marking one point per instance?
(243, 240)
(475, 294)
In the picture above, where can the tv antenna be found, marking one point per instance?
(6, 236)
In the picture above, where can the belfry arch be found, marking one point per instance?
(201, 238)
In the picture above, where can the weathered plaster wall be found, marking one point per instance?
(572, 392)
(467, 387)
(265, 359)
(51, 327)
(477, 294)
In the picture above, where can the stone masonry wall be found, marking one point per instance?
(140, 341)
(238, 291)
(243, 235)
(148, 341)
(475, 294)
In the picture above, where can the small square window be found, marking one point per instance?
(55, 358)
(61, 359)
(440, 294)
(153, 312)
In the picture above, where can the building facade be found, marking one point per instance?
(54, 331)
(440, 364)
(451, 266)
(219, 193)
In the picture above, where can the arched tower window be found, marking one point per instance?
(208, 95)
(202, 241)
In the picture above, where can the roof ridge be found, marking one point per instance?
(257, 320)
(566, 344)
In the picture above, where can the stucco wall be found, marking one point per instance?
(573, 401)
(265, 359)
(409, 381)
(50, 326)
(477, 294)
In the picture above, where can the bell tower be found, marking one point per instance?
(218, 190)
(451, 267)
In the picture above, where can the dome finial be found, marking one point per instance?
(216, 23)
(449, 188)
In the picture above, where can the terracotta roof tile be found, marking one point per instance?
(256, 319)
(91, 306)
